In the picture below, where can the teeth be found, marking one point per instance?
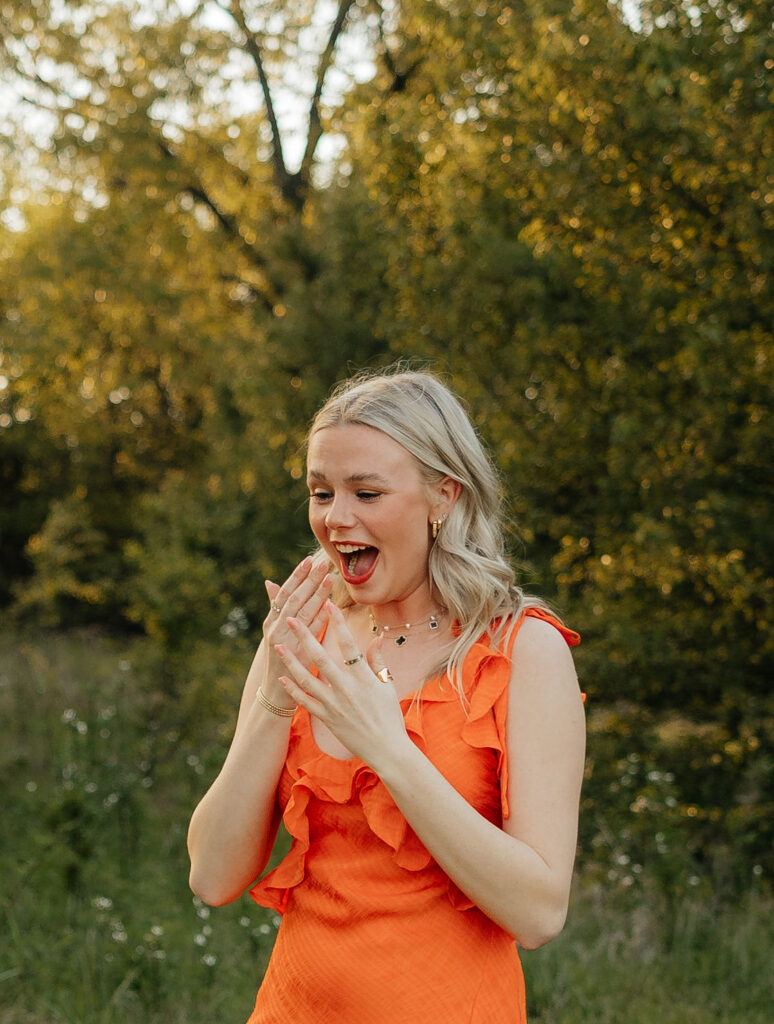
(349, 549)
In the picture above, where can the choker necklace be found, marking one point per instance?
(431, 622)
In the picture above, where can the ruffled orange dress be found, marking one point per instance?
(373, 931)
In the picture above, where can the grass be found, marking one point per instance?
(615, 964)
(105, 757)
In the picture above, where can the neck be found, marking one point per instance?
(401, 632)
(416, 609)
(414, 605)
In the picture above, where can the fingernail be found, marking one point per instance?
(293, 623)
(281, 650)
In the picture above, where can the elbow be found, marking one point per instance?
(543, 929)
(213, 893)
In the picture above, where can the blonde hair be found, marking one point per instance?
(467, 566)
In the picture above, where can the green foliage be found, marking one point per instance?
(97, 921)
(637, 963)
(571, 251)
(97, 925)
(672, 807)
(567, 215)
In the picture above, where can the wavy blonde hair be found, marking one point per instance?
(467, 566)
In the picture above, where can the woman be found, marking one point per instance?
(417, 721)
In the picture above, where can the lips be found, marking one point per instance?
(357, 562)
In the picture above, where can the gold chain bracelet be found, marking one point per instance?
(275, 709)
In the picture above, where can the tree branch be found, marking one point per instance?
(252, 289)
(283, 180)
(399, 78)
(229, 224)
(314, 131)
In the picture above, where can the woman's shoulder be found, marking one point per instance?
(540, 654)
(537, 624)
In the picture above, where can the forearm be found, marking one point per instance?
(233, 828)
(504, 877)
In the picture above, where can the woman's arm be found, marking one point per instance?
(519, 875)
(234, 826)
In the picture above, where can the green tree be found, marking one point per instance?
(162, 305)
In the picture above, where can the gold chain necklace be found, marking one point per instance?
(431, 622)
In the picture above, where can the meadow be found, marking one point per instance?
(103, 759)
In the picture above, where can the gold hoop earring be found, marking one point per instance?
(437, 524)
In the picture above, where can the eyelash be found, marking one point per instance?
(319, 497)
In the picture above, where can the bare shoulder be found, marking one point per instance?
(541, 659)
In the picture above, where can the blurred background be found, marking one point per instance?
(210, 213)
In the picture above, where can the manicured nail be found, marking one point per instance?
(293, 623)
(281, 650)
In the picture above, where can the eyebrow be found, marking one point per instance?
(354, 478)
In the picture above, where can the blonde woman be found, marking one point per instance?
(416, 720)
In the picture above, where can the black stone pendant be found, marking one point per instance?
(400, 640)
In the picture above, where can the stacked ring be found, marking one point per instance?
(354, 661)
(275, 607)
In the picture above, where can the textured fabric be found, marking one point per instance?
(373, 931)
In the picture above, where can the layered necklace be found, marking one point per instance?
(431, 622)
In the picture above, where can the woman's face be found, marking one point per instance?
(370, 510)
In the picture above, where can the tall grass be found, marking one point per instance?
(629, 964)
(104, 756)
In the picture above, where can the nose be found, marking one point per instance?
(340, 513)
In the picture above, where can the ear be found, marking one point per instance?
(445, 494)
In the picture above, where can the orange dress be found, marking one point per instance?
(373, 931)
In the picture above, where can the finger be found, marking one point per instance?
(296, 578)
(315, 627)
(294, 594)
(316, 654)
(299, 673)
(300, 696)
(310, 610)
(347, 643)
(272, 589)
(375, 658)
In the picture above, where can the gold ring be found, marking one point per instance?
(385, 675)
(354, 661)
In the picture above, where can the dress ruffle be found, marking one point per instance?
(486, 675)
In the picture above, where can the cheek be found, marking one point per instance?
(317, 521)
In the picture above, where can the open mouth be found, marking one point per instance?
(357, 561)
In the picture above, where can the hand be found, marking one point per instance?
(302, 596)
(360, 710)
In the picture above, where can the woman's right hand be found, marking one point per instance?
(233, 828)
(302, 596)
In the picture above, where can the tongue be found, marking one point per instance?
(360, 562)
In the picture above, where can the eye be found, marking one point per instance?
(320, 496)
(368, 495)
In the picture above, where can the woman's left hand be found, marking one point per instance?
(360, 710)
